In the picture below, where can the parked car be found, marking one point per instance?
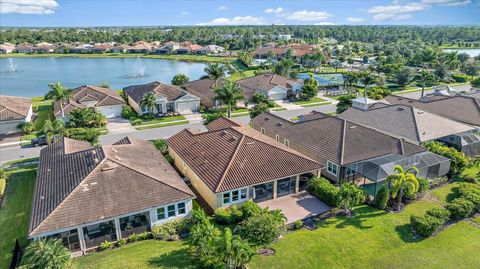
(39, 141)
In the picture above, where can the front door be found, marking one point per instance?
(263, 192)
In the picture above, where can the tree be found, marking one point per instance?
(46, 253)
(308, 91)
(440, 71)
(366, 78)
(215, 71)
(336, 64)
(403, 182)
(476, 82)
(148, 102)
(212, 115)
(104, 84)
(428, 56)
(258, 98)
(53, 131)
(377, 93)
(235, 252)
(458, 160)
(311, 80)
(264, 228)
(470, 69)
(381, 198)
(26, 127)
(245, 57)
(86, 118)
(204, 238)
(451, 60)
(350, 195)
(258, 109)
(404, 76)
(349, 79)
(424, 78)
(283, 67)
(344, 102)
(58, 93)
(290, 53)
(229, 95)
(180, 79)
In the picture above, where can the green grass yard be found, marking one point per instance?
(159, 125)
(161, 120)
(311, 101)
(15, 211)
(43, 110)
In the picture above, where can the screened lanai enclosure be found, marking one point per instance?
(374, 171)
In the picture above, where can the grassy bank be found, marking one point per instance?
(43, 109)
(182, 57)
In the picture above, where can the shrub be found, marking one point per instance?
(26, 127)
(439, 213)
(161, 144)
(228, 215)
(250, 208)
(422, 184)
(458, 160)
(426, 225)
(105, 245)
(128, 112)
(86, 118)
(166, 231)
(460, 78)
(324, 190)
(262, 229)
(136, 122)
(469, 179)
(381, 199)
(258, 98)
(271, 103)
(460, 208)
(297, 225)
(471, 192)
(476, 82)
(144, 235)
(3, 184)
(435, 182)
(134, 237)
(121, 242)
(169, 159)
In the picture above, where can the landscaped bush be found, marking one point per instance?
(264, 228)
(439, 213)
(271, 103)
(426, 225)
(460, 208)
(297, 225)
(324, 190)
(258, 98)
(460, 78)
(226, 216)
(105, 245)
(166, 232)
(26, 127)
(121, 242)
(90, 135)
(128, 112)
(381, 199)
(470, 179)
(3, 184)
(458, 160)
(250, 208)
(422, 184)
(86, 118)
(471, 192)
(435, 182)
(138, 237)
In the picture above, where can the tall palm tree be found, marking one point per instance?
(53, 131)
(350, 195)
(348, 79)
(403, 182)
(215, 71)
(424, 78)
(452, 62)
(148, 102)
(367, 79)
(428, 56)
(46, 253)
(229, 95)
(58, 93)
(235, 251)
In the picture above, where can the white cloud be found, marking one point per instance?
(325, 23)
(307, 15)
(274, 10)
(449, 3)
(221, 8)
(28, 6)
(184, 13)
(239, 20)
(355, 20)
(395, 11)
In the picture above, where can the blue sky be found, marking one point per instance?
(51, 13)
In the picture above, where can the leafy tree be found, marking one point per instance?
(180, 79)
(245, 57)
(26, 127)
(258, 98)
(336, 64)
(204, 238)
(403, 182)
(58, 93)
(349, 79)
(258, 109)
(404, 77)
(264, 228)
(366, 78)
(440, 71)
(283, 67)
(476, 82)
(311, 80)
(350, 195)
(148, 102)
(46, 253)
(458, 160)
(290, 53)
(229, 95)
(308, 91)
(215, 71)
(84, 134)
(86, 118)
(344, 103)
(470, 69)
(212, 115)
(53, 131)
(424, 78)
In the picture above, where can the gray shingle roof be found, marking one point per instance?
(170, 92)
(13, 107)
(331, 138)
(266, 82)
(77, 183)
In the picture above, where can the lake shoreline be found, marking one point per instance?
(184, 57)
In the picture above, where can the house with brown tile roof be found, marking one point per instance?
(229, 164)
(348, 150)
(275, 87)
(168, 98)
(13, 111)
(105, 101)
(416, 126)
(464, 109)
(204, 89)
(85, 195)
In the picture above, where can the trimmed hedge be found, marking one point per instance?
(227, 216)
(439, 213)
(425, 225)
(460, 208)
(470, 192)
(460, 78)
(324, 190)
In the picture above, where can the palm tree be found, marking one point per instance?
(403, 182)
(350, 195)
(423, 78)
(46, 253)
(148, 102)
(235, 251)
(428, 56)
(53, 131)
(367, 78)
(452, 61)
(348, 79)
(58, 93)
(230, 94)
(215, 71)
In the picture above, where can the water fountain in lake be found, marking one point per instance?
(140, 69)
(12, 67)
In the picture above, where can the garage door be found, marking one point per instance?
(111, 111)
(9, 127)
(186, 107)
(277, 96)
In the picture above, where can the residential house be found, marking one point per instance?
(167, 48)
(140, 47)
(86, 195)
(7, 48)
(273, 86)
(83, 48)
(24, 48)
(299, 51)
(464, 109)
(188, 49)
(105, 101)
(204, 89)
(168, 98)
(102, 48)
(349, 151)
(44, 47)
(63, 48)
(230, 164)
(120, 48)
(13, 111)
(415, 125)
(210, 49)
(282, 36)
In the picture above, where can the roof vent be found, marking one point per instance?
(250, 143)
(280, 123)
(223, 132)
(400, 109)
(353, 127)
(267, 118)
(420, 112)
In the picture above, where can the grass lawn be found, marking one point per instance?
(279, 109)
(239, 75)
(159, 125)
(162, 120)
(316, 104)
(15, 211)
(44, 112)
(375, 239)
(311, 101)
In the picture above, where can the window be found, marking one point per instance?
(181, 208)
(161, 213)
(243, 194)
(350, 170)
(171, 211)
(234, 196)
(332, 168)
(226, 198)
(286, 142)
(262, 130)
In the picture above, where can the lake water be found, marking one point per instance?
(31, 76)
(471, 52)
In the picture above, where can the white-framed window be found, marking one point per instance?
(277, 137)
(170, 211)
(332, 168)
(350, 170)
(234, 196)
(286, 142)
(262, 130)
(181, 208)
(161, 213)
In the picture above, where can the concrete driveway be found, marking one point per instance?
(119, 125)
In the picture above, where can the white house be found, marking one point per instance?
(13, 111)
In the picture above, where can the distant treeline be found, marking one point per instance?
(245, 37)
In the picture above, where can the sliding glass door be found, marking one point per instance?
(285, 186)
(263, 192)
